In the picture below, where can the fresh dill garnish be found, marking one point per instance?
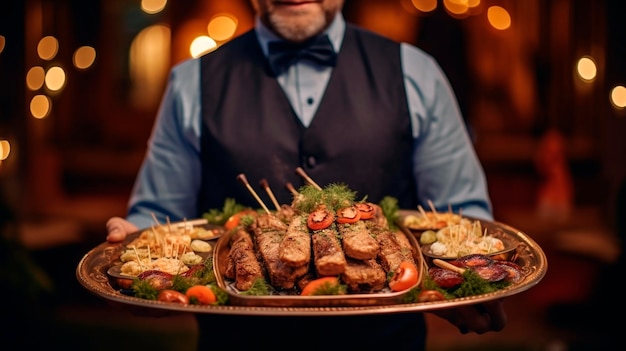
(144, 290)
(333, 197)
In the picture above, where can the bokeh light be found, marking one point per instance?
(153, 6)
(201, 45)
(222, 27)
(40, 106)
(425, 5)
(586, 69)
(55, 78)
(35, 78)
(498, 17)
(84, 57)
(456, 8)
(5, 149)
(618, 96)
(48, 48)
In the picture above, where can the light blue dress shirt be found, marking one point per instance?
(445, 164)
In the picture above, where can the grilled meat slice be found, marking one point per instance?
(295, 249)
(357, 241)
(243, 266)
(394, 248)
(269, 232)
(365, 275)
(328, 256)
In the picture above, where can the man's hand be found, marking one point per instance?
(479, 319)
(118, 228)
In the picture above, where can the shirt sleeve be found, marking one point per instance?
(445, 165)
(168, 181)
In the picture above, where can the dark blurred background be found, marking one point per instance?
(540, 83)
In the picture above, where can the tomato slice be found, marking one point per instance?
(367, 210)
(319, 285)
(201, 295)
(404, 277)
(348, 215)
(233, 221)
(320, 219)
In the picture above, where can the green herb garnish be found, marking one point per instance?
(219, 217)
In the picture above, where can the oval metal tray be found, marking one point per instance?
(91, 273)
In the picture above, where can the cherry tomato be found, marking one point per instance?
(233, 221)
(367, 210)
(348, 215)
(320, 219)
(319, 284)
(201, 295)
(430, 295)
(404, 277)
(169, 295)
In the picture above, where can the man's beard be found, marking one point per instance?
(298, 29)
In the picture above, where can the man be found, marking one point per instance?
(378, 116)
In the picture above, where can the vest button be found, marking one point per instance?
(311, 162)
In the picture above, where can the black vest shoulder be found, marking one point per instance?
(360, 135)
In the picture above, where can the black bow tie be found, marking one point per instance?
(283, 54)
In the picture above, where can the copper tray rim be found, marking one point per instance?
(91, 273)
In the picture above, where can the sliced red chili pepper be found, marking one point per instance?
(367, 210)
(348, 215)
(320, 219)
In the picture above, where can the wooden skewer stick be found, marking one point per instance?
(303, 174)
(449, 266)
(244, 181)
(421, 209)
(292, 189)
(432, 208)
(266, 186)
(156, 221)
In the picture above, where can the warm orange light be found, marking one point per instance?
(47, 48)
(2, 43)
(456, 8)
(202, 45)
(153, 6)
(618, 96)
(55, 78)
(586, 69)
(5, 149)
(425, 5)
(35, 78)
(40, 106)
(149, 62)
(84, 57)
(222, 27)
(498, 17)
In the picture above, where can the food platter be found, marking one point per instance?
(286, 299)
(93, 269)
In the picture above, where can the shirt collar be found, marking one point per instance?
(335, 33)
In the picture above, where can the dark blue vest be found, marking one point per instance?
(360, 135)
